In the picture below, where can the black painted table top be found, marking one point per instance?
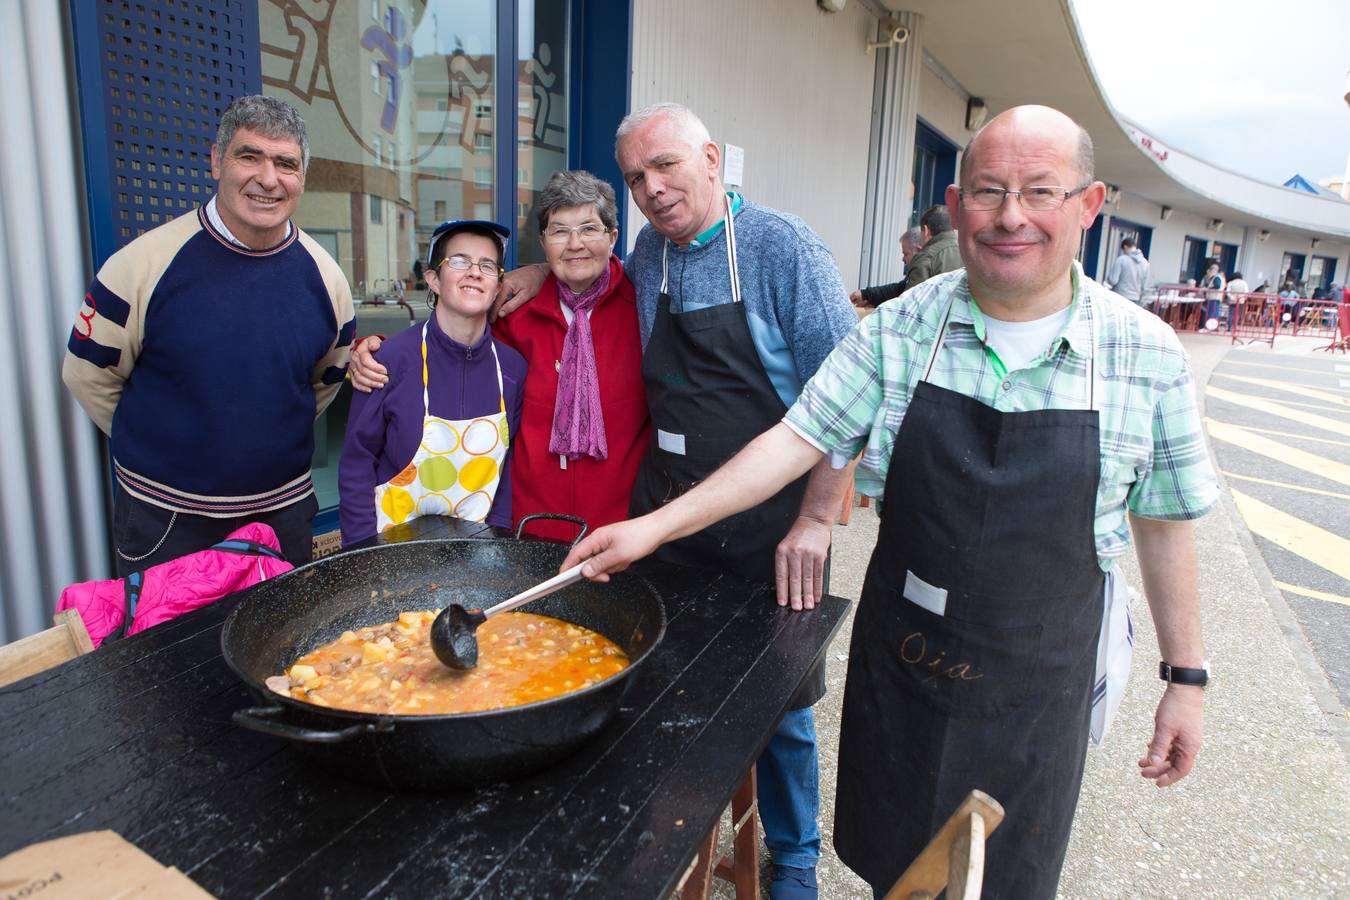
(137, 737)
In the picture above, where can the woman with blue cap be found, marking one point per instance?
(437, 440)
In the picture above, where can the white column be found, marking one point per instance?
(890, 167)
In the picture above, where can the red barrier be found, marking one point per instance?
(1312, 318)
(1341, 343)
(1247, 316)
(1255, 317)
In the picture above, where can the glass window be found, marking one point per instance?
(1322, 272)
(1194, 253)
(1292, 266)
(541, 150)
(925, 174)
(397, 97)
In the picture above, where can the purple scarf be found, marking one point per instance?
(578, 422)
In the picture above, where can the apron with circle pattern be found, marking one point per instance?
(456, 468)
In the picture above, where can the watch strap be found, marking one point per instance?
(1181, 675)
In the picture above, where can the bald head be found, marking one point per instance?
(1040, 123)
(1018, 257)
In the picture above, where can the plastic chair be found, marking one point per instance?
(64, 641)
(954, 858)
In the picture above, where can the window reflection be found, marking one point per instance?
(541, 125)
(399, 98)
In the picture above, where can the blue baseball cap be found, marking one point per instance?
(501, 232)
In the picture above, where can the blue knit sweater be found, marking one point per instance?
(794, 296)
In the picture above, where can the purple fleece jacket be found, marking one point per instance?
(384, 427)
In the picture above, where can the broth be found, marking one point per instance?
(390, 668)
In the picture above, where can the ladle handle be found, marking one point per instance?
(543, 589)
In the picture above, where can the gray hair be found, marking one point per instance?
(1084, 159)
(576, 188)
(690, 126)
(913, 237)
(268, 116)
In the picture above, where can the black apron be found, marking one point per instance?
(989, 685)
(709, 396)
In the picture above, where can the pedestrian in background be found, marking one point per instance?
(870, 298)
(1129, 272)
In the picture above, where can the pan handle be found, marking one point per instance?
(562, 517)
(263, 719)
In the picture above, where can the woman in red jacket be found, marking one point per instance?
(584, 427)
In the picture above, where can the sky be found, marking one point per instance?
(1254, 86)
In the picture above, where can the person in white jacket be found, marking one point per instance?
(1128, 275)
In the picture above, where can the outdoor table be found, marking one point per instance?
(137, 737)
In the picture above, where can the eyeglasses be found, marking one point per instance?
(1041, 198)
(588, 232)
(461, 263)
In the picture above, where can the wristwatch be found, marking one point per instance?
(1179, 675)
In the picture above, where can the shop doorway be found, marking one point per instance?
(934, 169)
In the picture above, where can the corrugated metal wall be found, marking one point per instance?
(790, 84)
(52, 518)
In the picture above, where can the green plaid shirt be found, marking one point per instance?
(1153, 456)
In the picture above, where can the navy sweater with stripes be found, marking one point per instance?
(207, 363)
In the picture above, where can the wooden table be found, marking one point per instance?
(137, 737)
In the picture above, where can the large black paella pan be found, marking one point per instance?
(281, 619)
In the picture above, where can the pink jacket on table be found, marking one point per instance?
(162, 592)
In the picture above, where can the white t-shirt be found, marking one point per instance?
(1018, 343)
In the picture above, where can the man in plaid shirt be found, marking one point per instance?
(1019, 420)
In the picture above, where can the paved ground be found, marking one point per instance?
(1280, 430)
(1266, 812)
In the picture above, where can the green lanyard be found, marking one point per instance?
(1000, 369)
(977, 317)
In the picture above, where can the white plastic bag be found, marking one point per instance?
(1114, 650)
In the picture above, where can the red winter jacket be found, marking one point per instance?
(597, 491)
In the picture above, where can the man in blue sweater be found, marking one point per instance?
(206, 348)
(738, 304)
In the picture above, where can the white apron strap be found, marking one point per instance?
(496, 360)
(937, 341)
(732, 268)
(426, 403)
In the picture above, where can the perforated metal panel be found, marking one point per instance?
(154, 78)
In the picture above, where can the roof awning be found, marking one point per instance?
(1032, 51)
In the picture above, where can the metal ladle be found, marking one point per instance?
(452, 632)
